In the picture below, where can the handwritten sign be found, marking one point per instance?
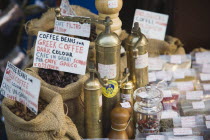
(19, 86)
(206, 87)
(141, 61)
(152, 77)
(152, 24)
(167, 114)
(176, 59)
(68, 27)
(188, 122)
(125, 105)
(182, 131)
(155, 137)
(155, 63)
(62, 53)
(204, 77)
(109, 71)
(198, 105)
(206, 68)
(185, 86)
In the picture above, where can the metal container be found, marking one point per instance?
(93, 107)
(108, 65)
(137, 57)
(148, 109)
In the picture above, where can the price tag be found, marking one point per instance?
(62, 53)
(152, 77)
(19, 86)
(125, 105)
(185, 86)
(110, 71)
(152, 24)
(207, 117)
(155, 63)
(202, 57)
(188, 122)
(168, 114)
(155, 137)
(167, 93)
(182, 131)
(126, 96)
(206, 68)
(198, 105)
(194, 95)
(206, 87)
(208, 124)
(112, 3)
(68, 27)
(176, 59)
(164, 75)
(141, 61)
(179, 74)
(205, 77)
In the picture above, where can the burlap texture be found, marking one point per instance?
(50, 124)
(71, 91)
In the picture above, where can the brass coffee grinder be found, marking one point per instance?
(137, 57)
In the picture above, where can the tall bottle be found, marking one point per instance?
(93, 107)
(108, 65)
(137, 56)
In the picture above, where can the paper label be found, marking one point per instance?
(185, 86)
(100, 101)
(202, 57)
(155, 63)
(188, 122)
(208, 124)
(207, 117)
(126, 96)
(206, 68)
(125, 105)
(198, 105)
(111, 90)
(168, 114)
(206, 86)
(19, 86)
(62, 53)
(176, 59)
(205, 77)
(194, 95)
(112, 3)
(164, 75)
(141, 61)
(152, 24)
(167, 93)
(155, 137)
(182, 131)
(179, 74)
(152, 77)
(110, 71)
(68, 27)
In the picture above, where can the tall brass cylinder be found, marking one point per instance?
(108, 65)
(93, 108)
(137, 57)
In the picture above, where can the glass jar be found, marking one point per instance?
(148, 109)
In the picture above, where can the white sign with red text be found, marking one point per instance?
(152, 24)
(19, 86)
(62, 53)
(68, 27)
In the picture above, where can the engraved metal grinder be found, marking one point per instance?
(93, 104)
(137, 57)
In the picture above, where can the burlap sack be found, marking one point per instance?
(71, 91)
(50, 124)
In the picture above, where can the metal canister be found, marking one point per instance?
(137, 57)
(93, 107)
(108, 65)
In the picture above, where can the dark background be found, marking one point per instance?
(189, 20)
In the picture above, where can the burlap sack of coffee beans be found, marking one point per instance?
(50, 124)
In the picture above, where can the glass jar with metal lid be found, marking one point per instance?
(148, 108)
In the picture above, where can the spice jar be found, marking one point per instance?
(148, 109)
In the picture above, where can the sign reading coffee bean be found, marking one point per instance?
(20, 86)
(62, 53)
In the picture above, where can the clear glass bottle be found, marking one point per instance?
(148, 109)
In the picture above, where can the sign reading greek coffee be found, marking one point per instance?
(62, 53)
(152, 24)
(19, 86)
(71, 28)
